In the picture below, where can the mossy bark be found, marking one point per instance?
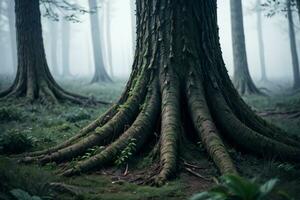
(241, 78)
(33, 79)
(174, 67)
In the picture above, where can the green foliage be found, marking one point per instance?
(23, 195)
(126, 153)
(78, 116)
(238, 188)
(15, 142)
(92, 151)
(25, 182)
(10, 114)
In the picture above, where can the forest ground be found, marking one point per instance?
(44, 126)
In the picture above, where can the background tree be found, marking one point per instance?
(261, 45)
(286, 7)
(100, 74)
(54, 46)
(65, 47)
(12, 30)
(292, 37)
(33, 79)
(108, 16)
(176, 76)
(241, 78)
(133, 23)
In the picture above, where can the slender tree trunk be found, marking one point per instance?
(241, 78)
(298, 7)
(261, 44)
(12, 30)
(100, 74)
(133, 23)
(176, 75)
(295, 60)
(108, 36)
(65, 45)
(33, 79)
(54, 42)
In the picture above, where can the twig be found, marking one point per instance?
(196, 174)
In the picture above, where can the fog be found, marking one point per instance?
(277, 49)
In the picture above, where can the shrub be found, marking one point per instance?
(238, 188)
(15, 143)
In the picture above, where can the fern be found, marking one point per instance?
(126, 153)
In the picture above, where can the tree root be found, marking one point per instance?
(154, 100)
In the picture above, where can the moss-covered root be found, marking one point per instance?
(205, 126)
(111, 130)
(170, 126)
(140, 131)
(244, 136)
(103, 119)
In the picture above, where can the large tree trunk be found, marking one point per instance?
(241, 78)
(100, 74)
(33, 79)
(176, 74)
(12, 30)
(295, 60)
(261, 44)
(65, 47)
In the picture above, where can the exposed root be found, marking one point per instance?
(244, 136)
(205, 126)
(141, 130)
(170, 126)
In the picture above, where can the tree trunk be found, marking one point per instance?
(261, 44)
(241, 78)
(54, 40)
(100, 74)
(108, 36)
(12, 30)
(298, 7)
(65, 46)
(133, 23)
(294, 53)
(33, 79)
(175, 73)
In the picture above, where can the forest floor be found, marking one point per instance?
(39, 126)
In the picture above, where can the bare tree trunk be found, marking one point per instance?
(261, 44)
(12, 30)
(241, 79)
(54, 42)
(65, 45)
(133, 23)
(294, 53)
(100, 74)
(108, 36)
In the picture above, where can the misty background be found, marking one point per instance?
(275, 32)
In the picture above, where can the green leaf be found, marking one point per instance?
(267, 188)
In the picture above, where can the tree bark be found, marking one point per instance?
(175, 73)
(12, 30)
(241, 78)
(295, 60)
(100, 74)
(261, 44)
(33, 79)
(65, 46)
